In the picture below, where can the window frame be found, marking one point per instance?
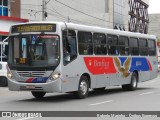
(4, 7)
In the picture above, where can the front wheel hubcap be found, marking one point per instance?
(83, 87)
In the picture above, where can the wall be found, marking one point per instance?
(15, 8)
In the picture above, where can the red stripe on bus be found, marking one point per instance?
(149, 64)
(100, 65)
(29, 80)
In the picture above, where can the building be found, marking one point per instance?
(139, 18)
(154, 29)
(105, 13)
(9, 14)
(154, 25)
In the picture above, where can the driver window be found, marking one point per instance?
(69, 46)
(24, 48)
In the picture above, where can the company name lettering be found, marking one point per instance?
(101, 63)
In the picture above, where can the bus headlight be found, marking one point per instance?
(9, 75)
(55, 76)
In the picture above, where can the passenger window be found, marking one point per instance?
(112, 42)
(100, 47)
(69, 46)
(123, 45)
(0, 66)
(143, 47)
(85, 44)
(133, 43)
(152, 47)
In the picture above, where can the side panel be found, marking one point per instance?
(71, 74)
(154, 64)
(102, 68)
(118, 70)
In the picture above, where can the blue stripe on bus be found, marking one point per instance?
(40, 80)
(139, 64)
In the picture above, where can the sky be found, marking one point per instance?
(154, 6)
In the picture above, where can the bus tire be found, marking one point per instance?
(38, 94)
(134, 83)
(83, 88)
(3, 82)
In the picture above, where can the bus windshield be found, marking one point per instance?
(34, 50)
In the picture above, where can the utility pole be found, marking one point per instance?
(44, 7)
(43, 10)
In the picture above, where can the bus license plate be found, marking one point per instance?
(30, 87)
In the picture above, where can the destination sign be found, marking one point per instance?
(33, 28)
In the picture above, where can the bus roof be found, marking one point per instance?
(88, 28)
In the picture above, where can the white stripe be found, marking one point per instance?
(102, 102)
(146, 93)
(25, 118)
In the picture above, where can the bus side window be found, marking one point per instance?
(0, 66)
(152, 47)
(85, 44)
(123, 45)
(133, 43)
(112, 42)
(100, 47)
(69, 46)
(143, 47)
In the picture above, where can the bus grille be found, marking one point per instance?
(31, 73)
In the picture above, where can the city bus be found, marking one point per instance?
(47, 57)
(3, 63)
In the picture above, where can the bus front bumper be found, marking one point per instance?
(53, 86)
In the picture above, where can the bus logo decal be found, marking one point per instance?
(124, 69)
(30, 74)
(90, 63)
(100, 65)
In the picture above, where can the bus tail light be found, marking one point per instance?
(55, 76)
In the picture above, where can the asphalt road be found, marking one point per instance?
(145, 98)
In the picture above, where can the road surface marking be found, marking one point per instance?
(101, 102)
(146, 93)
(26, 118)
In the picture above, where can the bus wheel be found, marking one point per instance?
(134, 83)
(83, 88)
(38, 94)
(3, 82)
